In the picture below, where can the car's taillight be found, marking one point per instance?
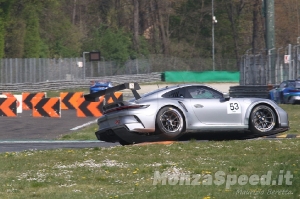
(125, 107)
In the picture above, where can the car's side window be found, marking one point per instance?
(282, 85)
(177, 93)
(291, 84)
(201, 92)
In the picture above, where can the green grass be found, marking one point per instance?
(128, 172)
(87, 133)
(294, 116)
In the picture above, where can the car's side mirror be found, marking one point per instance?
(226, 96)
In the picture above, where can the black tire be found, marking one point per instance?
(291, 101)
(170, 122)
(262, 119)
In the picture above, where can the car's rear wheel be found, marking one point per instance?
(170, 122)
(262, 119)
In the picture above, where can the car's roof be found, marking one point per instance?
(167, 88)
(181, 86)
(294, 80)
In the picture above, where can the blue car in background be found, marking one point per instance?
(99, 86)
(288, 92)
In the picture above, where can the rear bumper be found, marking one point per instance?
(107, 136)
(295, 99)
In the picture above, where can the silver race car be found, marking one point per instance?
(168, 113)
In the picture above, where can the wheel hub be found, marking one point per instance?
(170, 121)
(264, 119)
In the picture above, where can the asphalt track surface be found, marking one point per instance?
(25, 132)
(26, 127)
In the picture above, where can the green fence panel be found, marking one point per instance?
(206, 76)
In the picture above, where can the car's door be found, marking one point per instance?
(210, 108)
(280, 92)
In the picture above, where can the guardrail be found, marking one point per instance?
(79, 83)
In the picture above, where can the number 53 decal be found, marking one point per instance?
(233, 107)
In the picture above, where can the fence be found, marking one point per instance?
(15, 70)
(39, 70)
(272, 68)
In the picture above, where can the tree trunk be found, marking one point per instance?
(74, 13)
(255, 25)
(162, 30)
(234, 11)
(136, 24)
(234, 32)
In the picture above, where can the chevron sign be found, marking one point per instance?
(46, 107)
(27, 99)
(86, 108)
(69, 99)
(8, 107)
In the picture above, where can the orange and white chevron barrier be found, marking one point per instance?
(46, 107)
(27, 99)
(89, 109)
(8, 107)
(19, 100)
(69, 99)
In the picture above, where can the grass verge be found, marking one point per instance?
(86, 133)
(128, 172)
(293, 112)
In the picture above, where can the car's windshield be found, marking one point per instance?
(297, 84)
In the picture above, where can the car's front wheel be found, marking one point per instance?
(262, 119)
(170, 122)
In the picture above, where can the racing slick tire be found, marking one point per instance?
(262, 119)
(170, 122)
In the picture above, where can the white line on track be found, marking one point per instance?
(84, 125)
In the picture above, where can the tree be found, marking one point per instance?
(14, 39)
(190, 29)
(136, 25)
(255, 25)
(32, 36)
(234, 10)
(5, 8)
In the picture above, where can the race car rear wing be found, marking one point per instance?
(94, 97)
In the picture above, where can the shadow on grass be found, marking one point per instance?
(230, 135)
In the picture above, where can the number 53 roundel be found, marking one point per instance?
(233, 107)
